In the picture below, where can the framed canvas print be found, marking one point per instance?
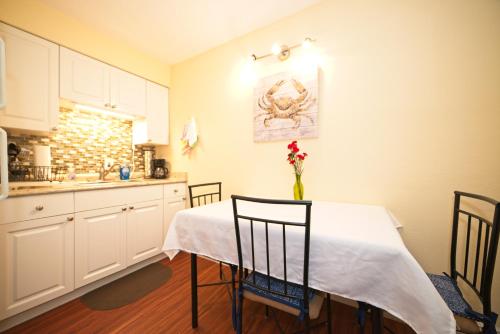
(286, 106)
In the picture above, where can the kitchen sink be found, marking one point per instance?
(94, 183)
(103, 183)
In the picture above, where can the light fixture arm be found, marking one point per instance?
(285, 50)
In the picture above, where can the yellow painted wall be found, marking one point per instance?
(409, 104)
(39, 19)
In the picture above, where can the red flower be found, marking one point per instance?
(295, 158)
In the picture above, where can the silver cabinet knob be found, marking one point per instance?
(114, 106)
(150, 140)
(39, 207)
(70, 219)
(124, 209)
(176, 191)
(107, 105)
(54, 128)
(184, 198)
(131, 207)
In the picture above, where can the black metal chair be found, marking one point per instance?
(296, 299)
(479, 277)
(195, 198)
(213, 190)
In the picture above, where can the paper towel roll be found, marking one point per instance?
(42, 155)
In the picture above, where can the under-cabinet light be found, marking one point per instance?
(103, 111)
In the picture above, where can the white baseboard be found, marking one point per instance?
(40, 309)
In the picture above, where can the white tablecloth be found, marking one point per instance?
(356, 252)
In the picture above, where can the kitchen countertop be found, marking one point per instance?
(38, 188)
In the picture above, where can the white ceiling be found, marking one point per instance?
(174, 30)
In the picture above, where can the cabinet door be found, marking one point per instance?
(144, 230)
(100, 244)
(155, 128)
(32, 81)
(128, 93)
(38, 263)
(172, 205)
(84, 80)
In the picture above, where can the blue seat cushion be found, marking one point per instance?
(451, 294)
(277, 285)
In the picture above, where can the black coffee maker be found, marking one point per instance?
(160, 170)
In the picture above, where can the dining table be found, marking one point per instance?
(356, 252)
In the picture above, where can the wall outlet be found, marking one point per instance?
(108, 162)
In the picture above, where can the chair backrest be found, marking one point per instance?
(240, 219)
(200, 193)
(487, 246)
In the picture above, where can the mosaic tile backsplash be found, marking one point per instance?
(84, 139)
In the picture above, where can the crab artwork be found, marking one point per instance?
(286, 106)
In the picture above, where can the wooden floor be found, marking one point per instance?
(168, 310)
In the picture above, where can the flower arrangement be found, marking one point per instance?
(296, 159)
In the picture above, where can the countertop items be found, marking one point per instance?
(37, 188)
(42, 155)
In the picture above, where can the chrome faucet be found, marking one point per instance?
(103, 172)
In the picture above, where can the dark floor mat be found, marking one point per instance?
(129, 288)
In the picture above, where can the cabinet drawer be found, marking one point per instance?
(17, 209)
(105, 198)
(174, 189)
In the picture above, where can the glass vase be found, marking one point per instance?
(298, 188)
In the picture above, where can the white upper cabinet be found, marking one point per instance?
(32, 81)
(153, 129)
(84, 80)
(128, 93)
(87, 81)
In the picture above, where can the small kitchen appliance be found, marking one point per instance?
(149, 154)
(160, 170)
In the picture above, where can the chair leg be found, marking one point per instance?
(361, 316)
(267, 311)
(377, 320)
(307, 321)
(490, 327)
(328, 313)
(239, 326)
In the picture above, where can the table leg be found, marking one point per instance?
(233, 287)
(377, 320)
(194, 291)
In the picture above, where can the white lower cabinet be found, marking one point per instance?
(100, 244)
(144, 230)
(48, 250)
(172, 205)
(38, 263)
